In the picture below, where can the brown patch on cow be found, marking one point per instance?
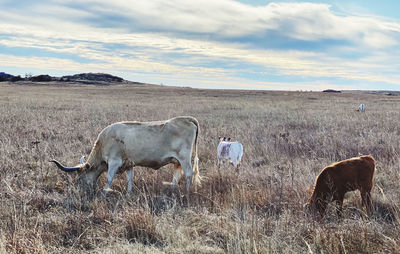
(162, 126)
(127, 165)
(120, 141)
(335, 180)
(92, 161)
(225, 149)
(97, 145)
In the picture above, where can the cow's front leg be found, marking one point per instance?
(113, 166)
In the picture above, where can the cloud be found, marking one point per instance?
(185, 39)
(228, 18)
(220, 19)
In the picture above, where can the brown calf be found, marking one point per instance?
(335, 180)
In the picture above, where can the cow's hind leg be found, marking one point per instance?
(220, 162)
(129, 176)
(235, 164)
(113, 166)
(338, 200)
(188, 172)
(366, 200)
(237, 167)
(177, 175)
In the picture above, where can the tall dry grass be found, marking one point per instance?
(288, 137)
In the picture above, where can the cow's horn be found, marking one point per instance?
(60, 166)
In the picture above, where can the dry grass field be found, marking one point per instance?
(258, 210)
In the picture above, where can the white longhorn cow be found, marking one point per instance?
(121, 146)
(229, 151)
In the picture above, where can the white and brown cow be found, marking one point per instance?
(229, 151)
(123, 145)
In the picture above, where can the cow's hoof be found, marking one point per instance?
(109, 190)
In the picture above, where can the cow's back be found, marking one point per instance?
(351, 173)
(238, 147)
(147, 141)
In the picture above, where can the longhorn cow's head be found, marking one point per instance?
(87, 175)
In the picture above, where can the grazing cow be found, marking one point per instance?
(335, 180)
(361, 108)
(121, 146)
(230, 151)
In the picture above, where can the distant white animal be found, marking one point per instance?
(361, 108)
(229, 151)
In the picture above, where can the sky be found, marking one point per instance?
(222, 44)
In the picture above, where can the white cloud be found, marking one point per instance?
(228, 18)
(222, 18)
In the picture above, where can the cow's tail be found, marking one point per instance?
(196, 175)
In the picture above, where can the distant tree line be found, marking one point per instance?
(8, 77)
(331, 91)
(102, 77)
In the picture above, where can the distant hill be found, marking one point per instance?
(83, 78)
(87, 77)
(3, 74)
(331, 91)
(8, 77)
